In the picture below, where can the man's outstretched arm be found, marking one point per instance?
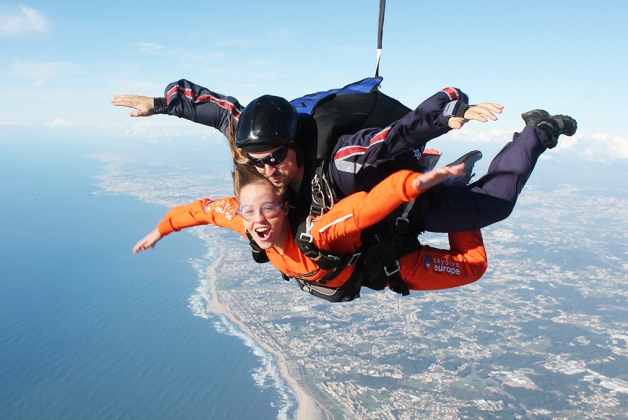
(187, 100)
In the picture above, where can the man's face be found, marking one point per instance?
(284, 173)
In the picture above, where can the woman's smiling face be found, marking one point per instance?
(264, 215)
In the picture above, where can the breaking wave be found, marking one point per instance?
(267, 375)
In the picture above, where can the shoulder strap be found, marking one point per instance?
(327, 115)
(382, 257)
(325, 260)
(306, 105)
(259, 255)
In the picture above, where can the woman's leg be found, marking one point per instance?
(432, 268)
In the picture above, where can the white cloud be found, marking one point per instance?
(596, 147)
(599, 147)
(23, 21)
(148, 48)
(58, 122)
(473, 136)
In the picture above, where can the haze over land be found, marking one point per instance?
(543, 333)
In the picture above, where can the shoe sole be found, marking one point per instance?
(564, 118)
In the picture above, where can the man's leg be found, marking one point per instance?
(493, 197)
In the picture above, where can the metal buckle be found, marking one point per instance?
(401, 220)
(390, 273)
(316, 209)
(306, 237)
(316, 186)
(354, 259)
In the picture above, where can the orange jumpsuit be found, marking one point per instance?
(338, 232)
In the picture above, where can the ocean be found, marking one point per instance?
(90, 330)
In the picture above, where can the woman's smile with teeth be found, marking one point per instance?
(262, 232)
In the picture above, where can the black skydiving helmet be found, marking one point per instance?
(266, 123)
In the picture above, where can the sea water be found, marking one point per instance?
(90, 330)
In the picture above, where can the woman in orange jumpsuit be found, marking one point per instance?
(260, 210)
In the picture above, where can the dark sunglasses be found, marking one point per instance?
(273, 159)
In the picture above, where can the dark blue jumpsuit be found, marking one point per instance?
(360, 160)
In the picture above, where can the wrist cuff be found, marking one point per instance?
(159, 105)
(455, 109)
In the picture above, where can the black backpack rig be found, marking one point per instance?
(324, 117)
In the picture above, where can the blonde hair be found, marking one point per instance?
(239, 156)
(246, 174)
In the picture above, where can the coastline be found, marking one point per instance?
(307, 407)
(113, 182)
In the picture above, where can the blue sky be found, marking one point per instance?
(63, 61)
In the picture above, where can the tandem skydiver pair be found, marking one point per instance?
(271, 137)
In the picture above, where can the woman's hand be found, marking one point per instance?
(434, 177)
(148, 241)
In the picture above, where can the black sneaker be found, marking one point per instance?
(534, 117)
(469, 161)
(553, 125)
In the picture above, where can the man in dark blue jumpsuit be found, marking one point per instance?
(359, 159)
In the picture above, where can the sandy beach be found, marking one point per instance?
(308, 408)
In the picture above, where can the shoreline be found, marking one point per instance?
(307, 407)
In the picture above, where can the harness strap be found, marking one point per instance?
(259, 255)
(395, 281)
(325, 260)
(347, 292)
(388, 252)
(323, 199)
